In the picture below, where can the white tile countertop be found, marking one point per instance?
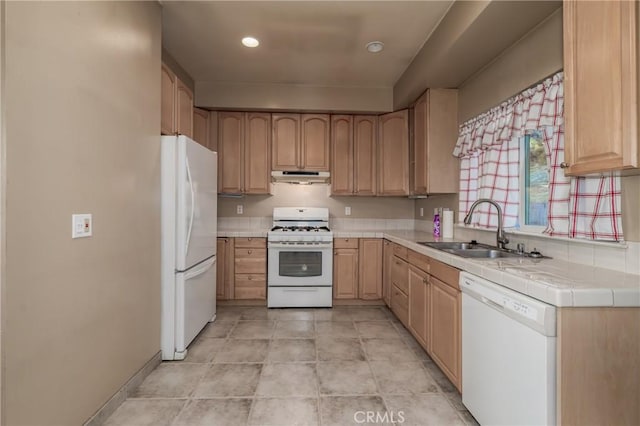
(557, 282)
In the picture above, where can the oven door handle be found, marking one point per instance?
(301, 247)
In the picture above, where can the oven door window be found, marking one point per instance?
(300, 263)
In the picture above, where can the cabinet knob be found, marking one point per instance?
(424, 280)
(335, 252)
(564, 165)
(248, 239)
(250, 278)
(249, 251)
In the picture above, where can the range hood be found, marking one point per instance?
(300, 177)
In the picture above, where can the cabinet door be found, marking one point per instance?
(345, 273)
(285, 142)
(342, 154)
(370, 270)
(418, 303)
(365, 135)
(167, 101)
(315, 142)
(442, 168)
(600, 77)
(393, 153)
(230, 160)
(418, 182)
(444, 338)
(213, 132)
(201, 126)
(257, 153)
(184, 108)
(387, 254)
(225, 273)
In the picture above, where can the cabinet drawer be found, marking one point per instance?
(400, 304)
(445, 273)
(250, 261)
(250, 286)
(400, 251)
(251, 242)
(345, 243)
(419, 260)
(400, 274)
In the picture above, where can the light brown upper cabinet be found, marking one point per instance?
(257, 153)
(600, 86)
(168, 101)
(434, 170)
(201, 126)
(184, 107)
(353, 154)
(365, 144)
(393, 153)
(342, 171)
(230, 152)
(244, 146)
(176, 105)
(300, 142)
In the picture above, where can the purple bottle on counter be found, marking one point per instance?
(436, 223)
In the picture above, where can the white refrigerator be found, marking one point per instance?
(189, 231)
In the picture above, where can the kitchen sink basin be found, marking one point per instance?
(481, 253)
(471, 250)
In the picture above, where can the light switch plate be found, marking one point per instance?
(239, 209)
(347, 211)
(81, 225)
(421, 211)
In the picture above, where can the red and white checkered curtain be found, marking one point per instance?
(488, 147)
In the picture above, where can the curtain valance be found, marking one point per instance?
(538, 107)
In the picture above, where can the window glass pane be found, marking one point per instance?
(300, 264)
(536, 182)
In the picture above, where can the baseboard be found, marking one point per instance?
(121, 395)
(357, 302)
(242, 302)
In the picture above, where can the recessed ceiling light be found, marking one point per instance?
(375, 46)
(250, 42)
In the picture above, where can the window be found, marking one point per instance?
(534, 184)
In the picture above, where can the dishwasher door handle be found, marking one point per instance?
(492, 303)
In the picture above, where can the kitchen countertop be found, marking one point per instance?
(557, 282)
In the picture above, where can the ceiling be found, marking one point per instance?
(312, 54)
(319, 43)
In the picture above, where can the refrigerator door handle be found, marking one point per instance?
(201, 269)
(193, 206)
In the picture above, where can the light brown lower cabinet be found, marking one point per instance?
(419, 304)
(445, 329)
(250, 268)
(345, 273)
(387, 261)
(400, 289)
(224, 264)
(370, 269)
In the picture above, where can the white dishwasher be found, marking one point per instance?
(508, 355)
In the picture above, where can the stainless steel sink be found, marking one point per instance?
(471, 250)
(482, 253)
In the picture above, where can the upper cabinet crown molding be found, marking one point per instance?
(600, 86)
(434, 169)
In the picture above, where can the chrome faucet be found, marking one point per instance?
(501, 239)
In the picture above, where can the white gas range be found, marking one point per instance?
(300, 260)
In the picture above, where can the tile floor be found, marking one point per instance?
(255, 366)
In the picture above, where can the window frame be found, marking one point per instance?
(522, 183)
